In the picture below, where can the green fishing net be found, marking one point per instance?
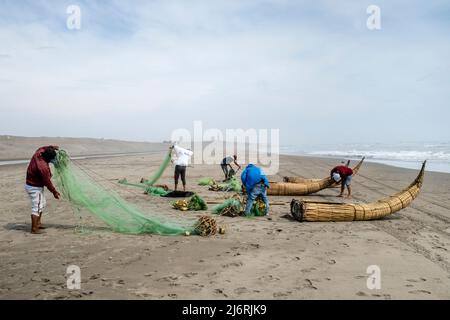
(161, 169)
(231, 185)
(231, 205)
(206, 181)
(155, 191)
(84, 193)
(197, 203)
(234, 207)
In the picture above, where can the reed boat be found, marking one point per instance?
(305, 210)
(307, 187)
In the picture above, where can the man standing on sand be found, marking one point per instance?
(226, 162)
(181, 163)
(256, 184)
(344, 174)
(38, 177)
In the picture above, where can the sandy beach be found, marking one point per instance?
(257, 258)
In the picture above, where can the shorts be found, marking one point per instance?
(180, 171)
(37, 198)
(347, 181)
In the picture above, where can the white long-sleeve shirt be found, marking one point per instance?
(183, 156)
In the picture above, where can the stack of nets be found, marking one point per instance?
(83, 193)
(195, 203)
(235, 206)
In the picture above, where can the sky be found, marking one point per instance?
(138, 70)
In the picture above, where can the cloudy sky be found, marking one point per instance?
(138, 70)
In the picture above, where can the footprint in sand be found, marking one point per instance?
(419, 291)
(221, 292)
(233, 264)
(308, 269)
(190, 274)
(269, 278)
(282, 294)
(309, 284)
(240, 290)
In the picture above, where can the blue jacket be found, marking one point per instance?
(251, 176)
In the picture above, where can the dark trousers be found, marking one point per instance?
(180, 171)
(225, 170)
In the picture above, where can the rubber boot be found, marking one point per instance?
(35, 224)
(40, 226)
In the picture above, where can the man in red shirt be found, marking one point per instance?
(343, 174)
(38, 177)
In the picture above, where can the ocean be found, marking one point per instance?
(405, 155)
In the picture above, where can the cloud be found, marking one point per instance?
(139, 70)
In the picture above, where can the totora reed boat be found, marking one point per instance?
(303, 188)
(329, 211)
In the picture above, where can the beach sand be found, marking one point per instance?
(257, 258)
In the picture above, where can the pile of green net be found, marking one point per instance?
(231, 204)
(232, 184)
(155, 191)
(197, 203)
(234, 207)
(206, 182)
(85, 194)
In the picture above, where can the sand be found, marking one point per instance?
(258, 258)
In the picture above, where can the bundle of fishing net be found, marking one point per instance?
(85, 194)
(233, 185)
(195, 203)
(151, 190)
(235, 206)
(206, 182)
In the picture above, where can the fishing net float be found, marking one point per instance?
(83, 193)
(306, 187)
(328, 211)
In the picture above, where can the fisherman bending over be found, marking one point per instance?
(256, 184)
(344, 174)
(226, 162)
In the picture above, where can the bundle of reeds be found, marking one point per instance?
(329, 211)
(307, 187)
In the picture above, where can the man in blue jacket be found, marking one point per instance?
(256, 184)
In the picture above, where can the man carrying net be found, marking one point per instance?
(38, 177)
(181, 163)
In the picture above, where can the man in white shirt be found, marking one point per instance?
(181, 163)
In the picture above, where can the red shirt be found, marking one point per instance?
(343, 171)
(38, 172)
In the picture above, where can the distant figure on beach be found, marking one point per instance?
(256, 184)
(226, 163)
(344, 174)
(181, 163)
(38, 177)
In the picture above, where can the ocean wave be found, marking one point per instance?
(405, 155)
